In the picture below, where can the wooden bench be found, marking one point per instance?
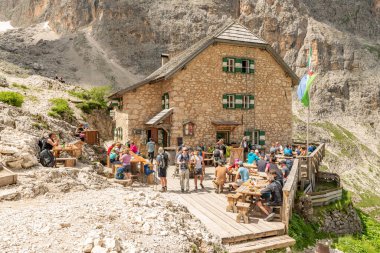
(232, 199)
(67, 162)
(242, 209)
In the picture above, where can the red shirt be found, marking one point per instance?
(110, 149)
(134, 148)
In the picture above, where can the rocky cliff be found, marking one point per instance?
(120, 41)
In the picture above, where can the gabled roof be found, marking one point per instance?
(233, 33)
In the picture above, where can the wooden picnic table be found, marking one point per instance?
(71, 149)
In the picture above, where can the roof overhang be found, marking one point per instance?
(158, 118)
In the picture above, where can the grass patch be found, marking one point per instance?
(368, 242)
(324, 186)
(12, 98)
(345, 139)
(323, 168)
(305, 233)
(372, 201)
(39, 122)
(92, 99)
(61, 109)
(20, 86)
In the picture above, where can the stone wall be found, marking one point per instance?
(196, 91)
(342, 222)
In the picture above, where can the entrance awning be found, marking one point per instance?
(160, 117)
(225, 125)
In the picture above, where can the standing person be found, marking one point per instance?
(197, 160)
(217, 155)
(162, 160)
(223, 147)
(220, 177)
(125, 159)
(245, 146)
(151, 147)
(183, 161)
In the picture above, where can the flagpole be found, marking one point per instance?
(307, 126)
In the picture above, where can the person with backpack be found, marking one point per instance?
(198, 162)
(217, 155)
(47, 158)
(271, 196)
(184, 174)
(162, 160)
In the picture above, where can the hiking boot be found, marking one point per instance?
(270, 217)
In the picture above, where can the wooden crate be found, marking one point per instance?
(6, 176)
(91, 137)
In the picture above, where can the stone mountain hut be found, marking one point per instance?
(228, 85)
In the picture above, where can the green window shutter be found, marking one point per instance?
(261, 137)
(163, 102)
(249, 135)
(225, 64)
(251, 66)
(166, 98)
(224, 101)
(251, 102)
(238, 101)
(237, 65)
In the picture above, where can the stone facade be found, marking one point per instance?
(196, 92)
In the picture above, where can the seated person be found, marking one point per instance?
(241, 177)
(79, 132)
(288, 151)
(125, 159)
(273, 167)
(134, 148)
(261, 164)
(289, 163)
(298, 150)
(273, 149)
(220, 177)
(270, 196)
(253, 157)
(114, 155)
(284, 169)
(147, 170)
(303, 152)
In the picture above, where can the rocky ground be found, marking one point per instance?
(76, 210)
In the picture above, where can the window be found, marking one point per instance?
(246, 102)
(238, 101)
(238, 65)
(256, 137)
(230, 101)
(165, 101)
(231, 65)
(245, 66)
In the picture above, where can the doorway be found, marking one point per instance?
(223, 135)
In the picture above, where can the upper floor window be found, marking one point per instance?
(238, 65)
(165, 101)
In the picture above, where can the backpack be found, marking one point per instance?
(120, 173)
(164, 161)
(41, 143)
(216, 153)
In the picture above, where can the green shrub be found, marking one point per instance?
(11, 98)
(20, 86)
(61, 109)
(92, 99)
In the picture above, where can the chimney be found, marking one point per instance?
(164, 59)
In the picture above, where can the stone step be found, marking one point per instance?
(269, 243)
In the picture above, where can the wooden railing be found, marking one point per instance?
(309, 167)
(326, 197)
(289, 193)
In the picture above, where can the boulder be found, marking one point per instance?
(3, 82)
(15, 164)
(28, 160)
(98, 249)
